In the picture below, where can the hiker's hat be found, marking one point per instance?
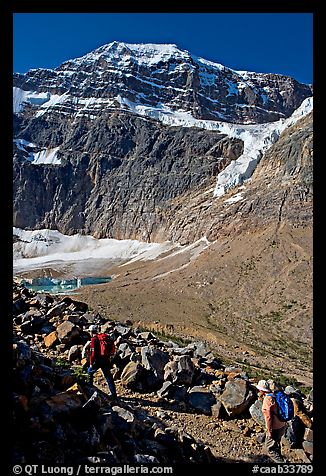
(263, 386)
(93, 328)
(289, 390)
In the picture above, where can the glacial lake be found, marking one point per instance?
(61, 286)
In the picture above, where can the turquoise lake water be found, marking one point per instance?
(61, 286)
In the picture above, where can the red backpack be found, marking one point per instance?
(106, 347)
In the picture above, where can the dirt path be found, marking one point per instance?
(230, 440)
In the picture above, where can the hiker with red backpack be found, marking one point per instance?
(102, 349)
(277, 410)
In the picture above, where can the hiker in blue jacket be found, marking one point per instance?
(275, 428)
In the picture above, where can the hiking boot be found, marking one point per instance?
(276, 457)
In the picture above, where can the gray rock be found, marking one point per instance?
(170, 370)
(308, 446)
(201, 399)
(236, 397)
(216, 409)
(256, 413)
(180, 371)
(22, 353)
(104, 422)
(171, 391)
(124, 350)
(201, 349)
(144, 459)
(146, 335)
(216, 389)
(204, 378)
(123, 420)
(260, 437)
(308, 435)
(185, 371)
(90, 318)
(47, 328)
(155, 360)
(19, 306)
(57, 310)
(124, 331)
(74, 353)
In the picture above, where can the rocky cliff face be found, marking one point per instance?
(280, 191)
(89, 158)
(120, 75)
(117, 176)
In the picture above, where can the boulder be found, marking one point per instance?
(201, 349)
(301, 455)
(57, 310)
(308, 446)
(123, 331)
(132, 375)
(170, 370)
(155, 360)
(104, 422)
(204, 378)
(65, 402)
(308, 435)
(67, 331)
(123, 420)
(90, 318)
(74, 353)
(216, 409)
(22, 353)
(19, 306)
(171, 391)
(185, 371)
(124, 350)
(51, 339)
(201, 399)
(180, 371)
(216, 389)
(43, 299)
(47, 328)
(88, 440)
(78, 306)
(146, 335)
(256, 413)
(64, 379)
(145, 459)
(236, 397)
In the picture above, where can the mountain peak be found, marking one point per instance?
(149, 53)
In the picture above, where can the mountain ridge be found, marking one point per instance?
(183, 82)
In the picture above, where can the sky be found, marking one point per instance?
(262, 42)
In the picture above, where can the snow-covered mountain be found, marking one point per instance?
(110, 143)
(159, 76)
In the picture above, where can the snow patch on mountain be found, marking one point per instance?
(39, 247)
(43, 156)
(257, 140)
(20, 97)
(46, 156)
